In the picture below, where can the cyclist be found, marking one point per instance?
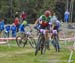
(55, 23)
(23, 25)
(44, 24)
(55, 29)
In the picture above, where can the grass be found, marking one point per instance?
(14, 54)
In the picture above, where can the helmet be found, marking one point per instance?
(47, 13)
(24, 22)
(43, 18)
(53, 20)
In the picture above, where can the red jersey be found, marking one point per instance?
(44, 24)
(16, 21)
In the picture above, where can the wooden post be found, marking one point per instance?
(67, 4)
(71, 10)
(11, 8)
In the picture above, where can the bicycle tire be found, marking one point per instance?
(56, 44)
(32, 42)
(38, 45)
(37, 48)
(43, 47)
(20, 41)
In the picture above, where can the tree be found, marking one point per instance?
(34, 8)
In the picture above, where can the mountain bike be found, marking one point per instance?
(41, 44)
(55, 42)
(25, 38)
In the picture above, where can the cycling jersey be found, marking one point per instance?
(53, 19)
(21, 28)
(44, 24)
(37, 27)
(44, 20)
(57, 25)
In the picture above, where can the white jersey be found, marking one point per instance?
(58, 23)
(53, 19)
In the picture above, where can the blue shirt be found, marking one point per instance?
(13, 28)
(21, 28)
(7, 28)
(66, 15)
(2, 25)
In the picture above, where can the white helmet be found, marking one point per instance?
(54, 19)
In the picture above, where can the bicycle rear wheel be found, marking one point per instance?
(57, 46)
(21, 41)
(55, 43)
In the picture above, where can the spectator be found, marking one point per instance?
(17, 23)
(7, 30)
(23, 15)
(16, 14)
(13, 29)
(20, 20)
(66, 16)
(1, 26)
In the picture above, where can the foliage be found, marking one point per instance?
(33, 8)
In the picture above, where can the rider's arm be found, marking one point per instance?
(36, 22)
(52, 26)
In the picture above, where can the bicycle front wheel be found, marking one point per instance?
(43, 47)
(32, 42)
(38, 45)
